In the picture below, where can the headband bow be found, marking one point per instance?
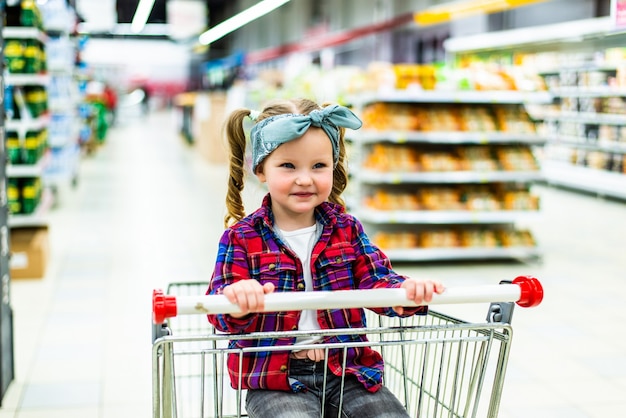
(271, 132)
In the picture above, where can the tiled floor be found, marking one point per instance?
(148, 211)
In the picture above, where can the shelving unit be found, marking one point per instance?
(585, 127)
(26, 128)
(7, 368)
(62, 172)
(446, 175)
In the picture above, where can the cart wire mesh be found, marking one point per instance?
(437, 365)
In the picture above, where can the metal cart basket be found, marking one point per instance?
(437, 366)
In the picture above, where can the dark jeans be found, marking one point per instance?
(357, 401)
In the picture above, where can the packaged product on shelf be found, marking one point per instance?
(386, 200)
(516, 158)
(385, 157)
(33, 54)
(13, 148)
(438, 118)
(444, 238)
(415, 76)
(489, 78)
(439, 161)
(517, 238)
(477, 119)
(36, 100)
(389, 116)
(476, 158)
(13, 196)
(24, 13)
(520, 200)
(395, 240)
(30, 193)
(440, 198)
(598, 160)
(14, 55)
(514, 119)
(480, 198)
(479, 238)
(32, 149)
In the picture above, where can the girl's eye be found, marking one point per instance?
(287, 165)
(319, 165)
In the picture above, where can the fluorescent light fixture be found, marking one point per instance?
(229, 25)
(144, 8)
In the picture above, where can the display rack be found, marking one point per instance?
(26, 126)
(587, 130)
(62, 171)
(7, 369)
(448, 190)
(585, 127)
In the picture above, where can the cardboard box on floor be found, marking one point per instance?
(29, 252)
(209, 113)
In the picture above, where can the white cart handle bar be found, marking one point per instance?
(526, 291)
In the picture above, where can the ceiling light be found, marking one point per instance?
(229, 25)
(144, 8)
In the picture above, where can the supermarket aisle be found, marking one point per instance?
(148, 211)
(144, 214)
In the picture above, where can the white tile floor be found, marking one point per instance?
(148, 211)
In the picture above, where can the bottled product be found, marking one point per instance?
(13, 148)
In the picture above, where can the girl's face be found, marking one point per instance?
(299, 176)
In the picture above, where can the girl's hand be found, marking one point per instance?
(249, 295)
(419, 291)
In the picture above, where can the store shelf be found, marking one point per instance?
(589, 92)
(385, 159)
(447, 254)
(564, 32)
(18, 32)
(579, 142)
(603, 183)
(441, 216)
(445, 137)
(33, 124)
(376, 177)
(589, 118)
(437, 96)
(582, 63)
(19, 84)
(27, 79)
(26, 170)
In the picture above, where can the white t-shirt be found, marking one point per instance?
(301, 241)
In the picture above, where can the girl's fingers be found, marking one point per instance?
(428, 291)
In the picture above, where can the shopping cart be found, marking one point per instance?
(437, 365)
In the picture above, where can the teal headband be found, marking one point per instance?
(271, 132)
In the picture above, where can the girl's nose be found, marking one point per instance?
(303, 179)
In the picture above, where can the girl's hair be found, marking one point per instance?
(236, 137)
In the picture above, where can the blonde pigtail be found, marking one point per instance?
(236, 138)
(340, 174)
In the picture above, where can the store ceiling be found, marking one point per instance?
(103, 17)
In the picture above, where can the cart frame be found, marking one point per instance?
(437, 365)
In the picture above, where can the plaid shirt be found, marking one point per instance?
(343, 258)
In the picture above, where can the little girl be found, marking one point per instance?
(301, 239)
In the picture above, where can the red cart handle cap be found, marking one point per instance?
(163, 306)
(531, 291)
